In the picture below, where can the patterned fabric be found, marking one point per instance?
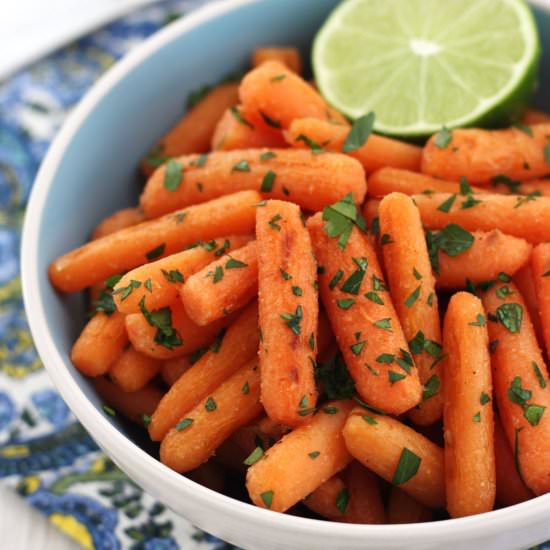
(45, 455)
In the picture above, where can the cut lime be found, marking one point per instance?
(422, 64)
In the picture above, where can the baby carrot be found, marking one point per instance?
(271, 92)
(128, 248)
(168, 332)
(481, 155)
(525, 217)
(290, 57)
(376, 152)
(308, 179)
(127, 217)
(521, 384)
(100, 344)
(490, 253)
(228, 353)
(540, 265)
(197, 435)
(158, 282)
(172, 369)
(302, 461)
(363, 317)
(534, 116)
(288, 308)
(192, 134)
(133, 370)
(468, 413)
(524, 279)
(397, 454)
(223, 286)
(412, 289)
(536, 188)
(234, 131)
(402, 508)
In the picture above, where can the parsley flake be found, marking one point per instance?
(293, 320)
(185, 423)
(173, 175)
(341, 217)
(408, 466)
(511, 316)
(443, 138)
(156, 252)
(359, 133)
(254, 456)
(268, 181)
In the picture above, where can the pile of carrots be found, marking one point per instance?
(372, 352)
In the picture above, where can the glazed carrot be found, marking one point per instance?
(234, 131)
(323, 499)
(133, 246)
(235, 347)
(100, 344)
(525, 281)
(537, 187)
(412, 289)
(127, 217)
(510, 488)
(223, 286)
(288, 309)
(376, 152)
(136, 406)
(310, 180)
(389, 180)
(522, 217)
(133, 370)
(197, 434)
(468, 413)
(481, 155)
(397, 454)
(192, 134)
(168, 332)
(402, 508)
(290, 57)
(364, 320)
(521, 384)
(534, 116)
(272, 91)
(540, 265)
(172, 369)
(165, 277)
(491, 253)
(304, 459)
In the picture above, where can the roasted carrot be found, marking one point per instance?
(196, 436)
(412, 290)
(133, 246)
(540, 265)
(376, 152)
(510, 487)
(133, 370)
(520, 379)
(127, 217)
(136, 406)
(168, 332)
(235, 347)
(490, 253)
(524, 217)
(536, 188)
(524, 279)
(100, 344)
(363, 318)
(397, 454)
(273, 92)
(288, 308)
(290, 57)
(402, 508)
(534, 116)
(223, 286)
(302, 461)
(172, 369)
(468, 413)
(481, 155)
(234, 131)
(308, 179)
(157, 283)
(192, 134)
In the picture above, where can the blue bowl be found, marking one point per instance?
(90, 171)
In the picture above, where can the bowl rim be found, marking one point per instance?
(114, 442)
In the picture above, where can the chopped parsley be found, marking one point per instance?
(384, 324)
(254, 456)
(511, 316)
(210, 404)
(267, 498)
(241, 166)
(359, 133)
(353, 284)
(345, 303)
(342, 500)
(414, 295)
(156, 252)
(161, 319)
(447, 204)
(443, 138)
(108, 410)
(336, 279)
(173, 276)
(484, 398)
(340, 219)
(316, 149)
(268, 181)
(539, 375)
(237, 115)
(407, 467)
(373, 297)
(232, 263)
(183, 424)
(314, 454)
(293, 320)
(479, 322)
(270, 121)
(125, 291)
(173, 175)
(273, 222)
(431, 387)
(267, 155)
(395, 376)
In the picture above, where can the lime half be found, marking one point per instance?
(422, 64)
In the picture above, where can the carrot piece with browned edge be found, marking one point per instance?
(288, 310)
(172, 369)
(363, 319)
(127, 217)
(100, 344)
(468, 412)
(236, 346)
(310, 180)
(402, 508)
(287, 473)
(198, 434)
(540, 265)
(412, 289)
(134, 246)
(521, 384)
(133, 370)
(223, 286)
(288, 56)
(481, 155)
(397, 454)
(534, 116)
